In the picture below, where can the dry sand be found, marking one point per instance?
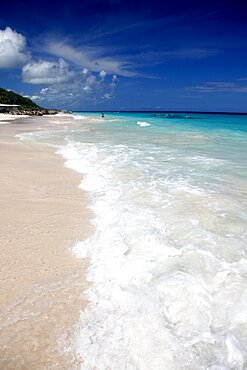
(42, 214)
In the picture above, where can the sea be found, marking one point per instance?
(168, 268)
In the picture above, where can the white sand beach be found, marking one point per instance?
(42, 214)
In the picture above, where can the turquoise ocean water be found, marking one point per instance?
(168, 256)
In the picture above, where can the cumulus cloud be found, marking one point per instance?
(87, 89)
(47, 73)
(13, 51)
(91, 80)
(34, 97)
(75, 75)
(102, 74)
(114, 81)
(66, 86)
(106, 96)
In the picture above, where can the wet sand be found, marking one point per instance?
(42, 214)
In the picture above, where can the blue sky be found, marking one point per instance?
(116, 54)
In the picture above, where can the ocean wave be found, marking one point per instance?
(93, 119)
(143, 124)
(161, 271)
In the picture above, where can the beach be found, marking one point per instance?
(124, 241)
(42, 214)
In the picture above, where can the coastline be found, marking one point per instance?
(167, 258)
(8, 118)
(42, 215)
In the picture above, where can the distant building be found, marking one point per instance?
(7, 108)
(9, 105)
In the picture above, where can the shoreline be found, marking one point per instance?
(6, 118)
(43, 213)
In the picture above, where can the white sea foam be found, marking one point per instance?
(34, 135)
(93, 118)
(54, 121)
(7, 118)
(143, 124)
(168, 286)
(79, 117)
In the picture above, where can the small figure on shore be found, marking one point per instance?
(102, 115)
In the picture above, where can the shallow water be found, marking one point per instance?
(168, 258)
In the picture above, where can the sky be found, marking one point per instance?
(126, 54)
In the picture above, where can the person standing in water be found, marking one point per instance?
(102, 115)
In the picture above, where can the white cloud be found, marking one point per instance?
(44, 90)
(213, 86)
(12, 49)
(94, 59)
(87, 89)
(114, 81)
(66, 85)
(79, 88)
(83, 76)
(102, 74)
(46, 72)
(34, 97)
(107, 96)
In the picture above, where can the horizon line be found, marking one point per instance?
(160, 111)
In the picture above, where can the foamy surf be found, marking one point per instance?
(143, 124)
(167, 258)
(8, 118)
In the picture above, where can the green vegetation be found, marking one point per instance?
(9, 97)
